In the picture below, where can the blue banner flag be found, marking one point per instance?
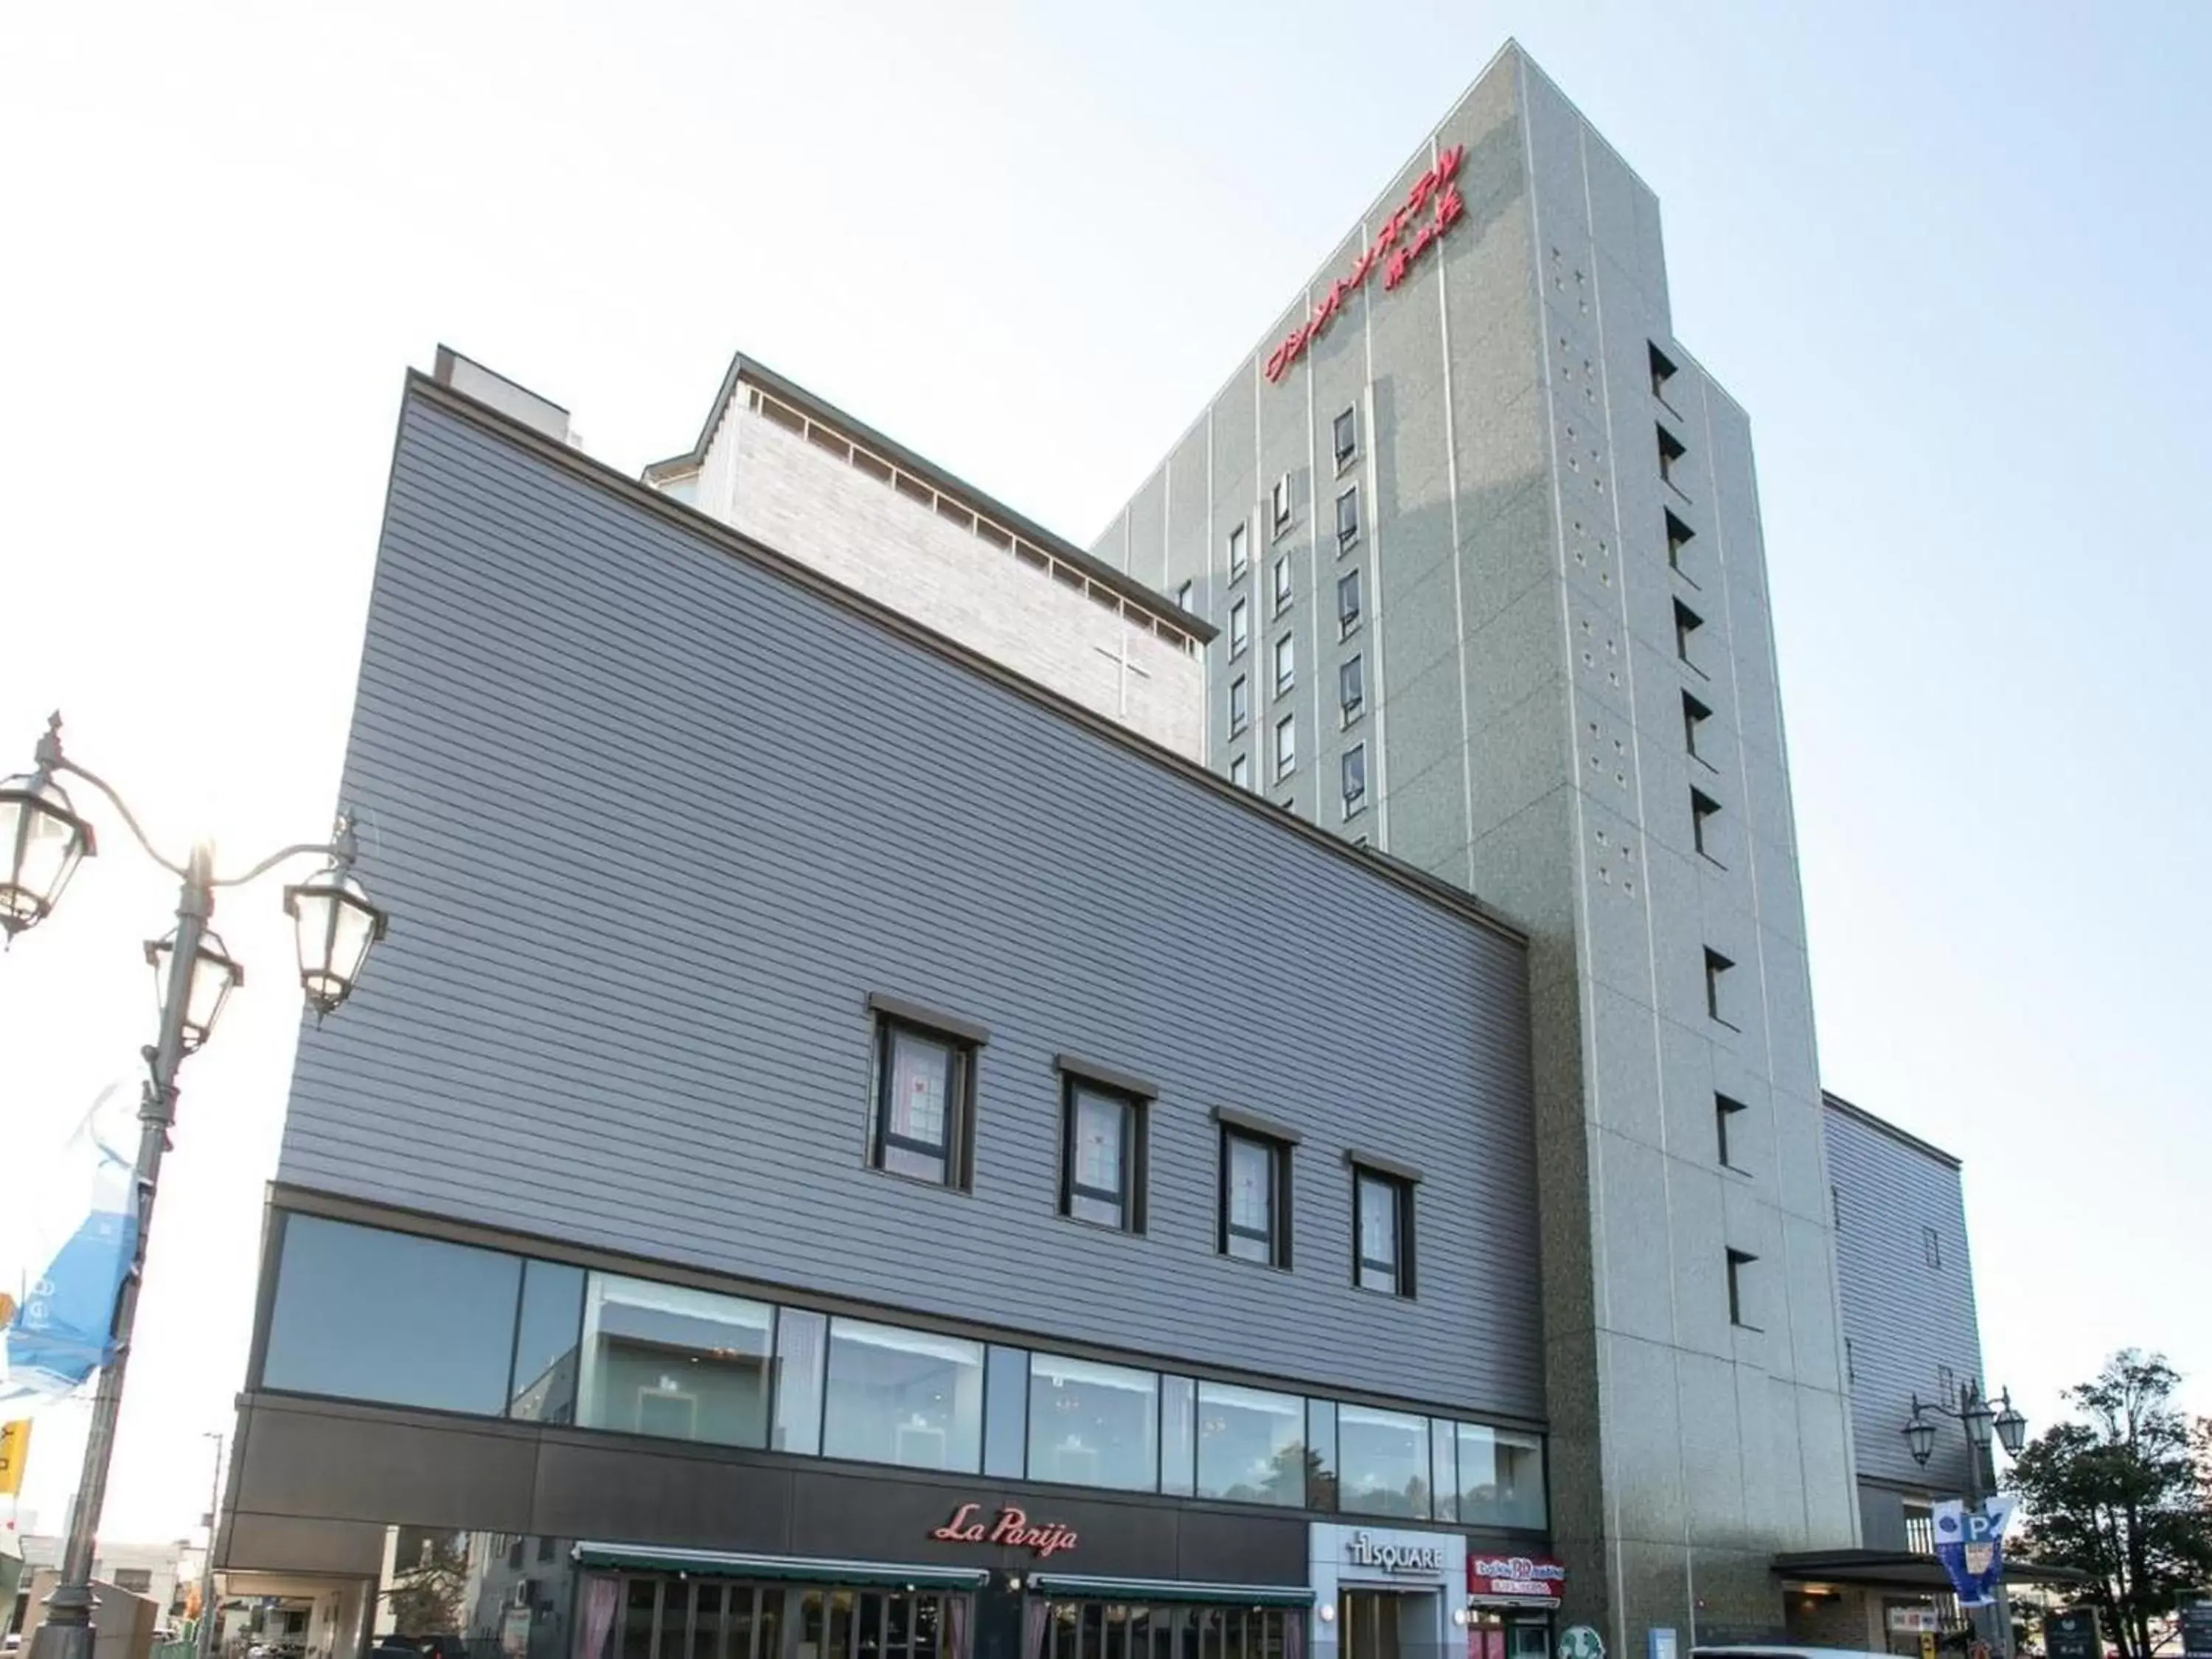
(75, 1236)
(1969, 1543)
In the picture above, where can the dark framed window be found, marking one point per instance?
(1695, 716)
(1240, 771)
(1678, 540)
(925, 1087)
(1287, 745)
(1686, 624)
(1347, 519)
(1716, 973)
(1351, 688)
(1281, 579)
(1739, 1289)
(1344, 438)
(1383, 1225)
(1347, 604)
(1670, 457)
(1286, 664)
(1240, 629)
(1102, 1178)
(1725, 1111)
(1703, 808)
(1240, 705)
(1663, 370)
(1279, 504)
(1240, 553)
(1354, 768)
(1254, 1198)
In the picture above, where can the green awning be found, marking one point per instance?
(720, 1564)
(1140, 1591)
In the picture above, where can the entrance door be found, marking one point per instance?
(1367, 1624)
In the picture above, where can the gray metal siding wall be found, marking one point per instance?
(1903, 1319)
(652, 820)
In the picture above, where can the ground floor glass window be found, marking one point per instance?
(1115, 1629)
(714, 1618)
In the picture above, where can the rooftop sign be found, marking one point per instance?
(1395, 247)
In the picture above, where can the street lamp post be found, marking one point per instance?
(42, 841)
(1978, 1417)
(204, 1633)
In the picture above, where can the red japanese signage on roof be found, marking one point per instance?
(1521, 1577)
(1395, 247)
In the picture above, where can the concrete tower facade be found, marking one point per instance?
(1482, 541)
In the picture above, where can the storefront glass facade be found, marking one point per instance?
(548, 1342)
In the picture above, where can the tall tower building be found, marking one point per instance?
(1482, 542)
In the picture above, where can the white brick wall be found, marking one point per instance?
(771, 483)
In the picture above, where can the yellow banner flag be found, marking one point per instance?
(14, 1452)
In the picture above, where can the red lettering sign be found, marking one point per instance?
(1433, 191)
(1521, 1577)
(1012, 1529)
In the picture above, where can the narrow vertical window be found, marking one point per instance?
(1182, 597)
(1252, 1198)
(1739, 1289)
(1279, 504)
(1347, 519)
(1931, 1246)
(1240, 556)
(1663, 370)
(1725, 1111)
(1686, 623)
(1716, 973)
(1286, 664)
(1381, 1213)
(1703, 808)
(1287, 745)
(1240, 771)
(1679, 537)
(1355, 779)
(1282, 584)
(1670, 458)
(1240, 629)
(1695, 716)
(1344, 439)
(924, 1081)
(1347, 604)
(1102, 1157)
(1351, 688)
(1240, 706)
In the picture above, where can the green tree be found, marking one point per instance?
(2122, 1494)
(429, 1571)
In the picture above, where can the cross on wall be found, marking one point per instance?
(1123, 668)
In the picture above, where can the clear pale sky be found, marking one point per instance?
(1950, 257)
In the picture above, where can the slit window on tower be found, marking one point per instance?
(1694, 716)
(1663, 370)
(1686, 624)
(1703, 810)
(1670, 458)
(1679, 536)
(1347, 603)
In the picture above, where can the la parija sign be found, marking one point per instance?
(1395, 247)
(1011, 1527)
